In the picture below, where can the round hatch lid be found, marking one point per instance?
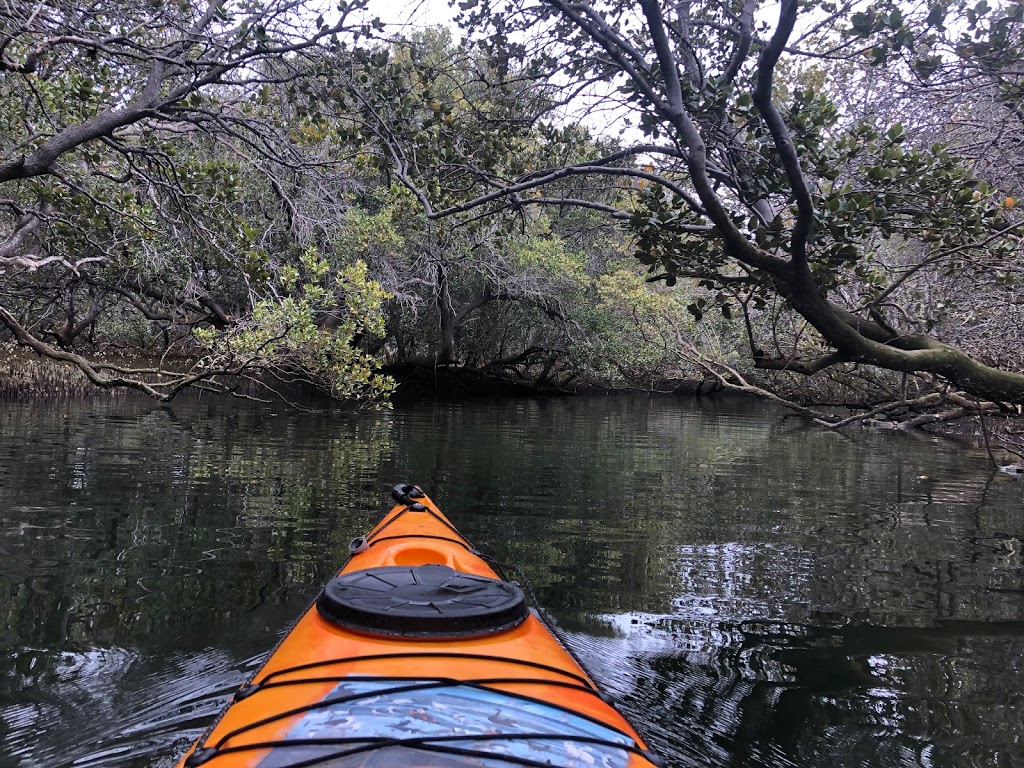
(422, 601)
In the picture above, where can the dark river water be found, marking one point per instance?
(752, 591)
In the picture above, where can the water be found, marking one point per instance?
(753, 591)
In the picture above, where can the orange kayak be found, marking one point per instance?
(418, 654)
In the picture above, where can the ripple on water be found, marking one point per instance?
(115, 707)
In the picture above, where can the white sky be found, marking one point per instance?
(413, 13)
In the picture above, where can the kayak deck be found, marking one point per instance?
(419, 654)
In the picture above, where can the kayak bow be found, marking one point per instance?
(418, 654)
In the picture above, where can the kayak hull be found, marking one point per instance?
(337, 694)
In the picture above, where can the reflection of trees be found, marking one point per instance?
(597, 497)
(125, 522)
(753, 590)
(575, 491)
(871, 616)
(160, 530)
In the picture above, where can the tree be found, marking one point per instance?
(917, 75)
(433, 119)
(128, 130)
(754, 187)
(961, 83)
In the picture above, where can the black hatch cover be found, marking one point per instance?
(422, 601)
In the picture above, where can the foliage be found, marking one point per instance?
(434, 118)
(142, 159)
(286, 335)
(748, 176)
(837, 185)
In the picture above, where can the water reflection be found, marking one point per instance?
(754, 591)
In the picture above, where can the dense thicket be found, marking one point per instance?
(148, 196)
(817, 190)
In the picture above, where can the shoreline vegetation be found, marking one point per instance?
(25, 376)
(28, 377)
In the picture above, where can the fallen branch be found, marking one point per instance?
(731, 379)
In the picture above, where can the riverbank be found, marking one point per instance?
(26, 376)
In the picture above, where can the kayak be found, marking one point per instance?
(420, 654)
